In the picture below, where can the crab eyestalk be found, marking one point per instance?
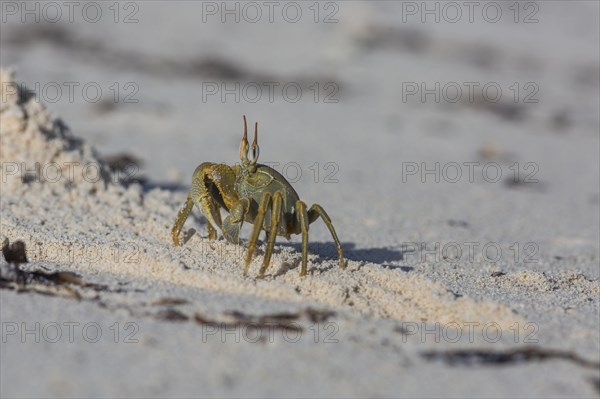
(255, 147)
(244, 147)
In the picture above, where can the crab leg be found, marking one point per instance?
(313, 213)
(212, 232)
(275, 217)
(181, 218)
(265, 201)
(303, 217)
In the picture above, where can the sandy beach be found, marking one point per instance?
(457, 156)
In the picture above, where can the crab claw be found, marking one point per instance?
(212, 184)
(231, 230)
(233, 223)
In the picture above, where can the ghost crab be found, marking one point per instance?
(254, 193)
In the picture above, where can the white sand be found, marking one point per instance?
(386, 301)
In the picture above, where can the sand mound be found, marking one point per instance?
(37, 147)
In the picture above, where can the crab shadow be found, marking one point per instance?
(386, 257)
